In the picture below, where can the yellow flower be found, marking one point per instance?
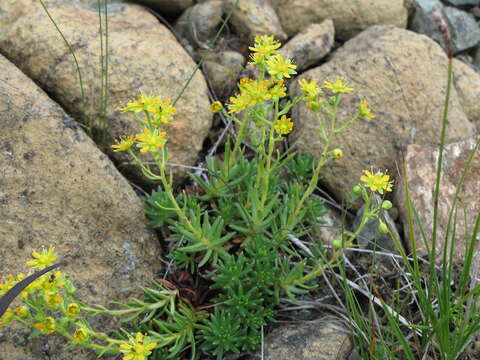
(279, 67)
(365, 110)
(277, 90)
(137, 349)
(310, 89)
(255, 91)
(27, 290)
(379, 182)
(238, 103)
(149, 141)
(73, 309)
(8, 281)
(22, 311)
(283, 126)
(163, 113)
(52, 299)
(46, 258)
(6, 318)
(47, 326)
(265, 46)
(143, 103)
(338, 86)
(80, 335)
(124, 144)
(216, 107)
(337, 153)
(52, 282)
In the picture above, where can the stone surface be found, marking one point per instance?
(465, 32)
(307, 341)
(310, 45)
(421, 163)
(388, 67)
(463, 2)
(198, 24)
(167, 7)
(222, 71)
(332, 226)
(255, 17)
(57, 189)
(144, 58)
(476, 59)
(467, 83)
(349, 17)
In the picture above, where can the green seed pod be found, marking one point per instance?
(337, 243)
(357, 190)
(383, 228)
(387, 205)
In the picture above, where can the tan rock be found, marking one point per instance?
(144, 58)
(222, 71)
(467, 83)
(255, 17)
(57, 189)
(421, 162)
(388, 67)
(198, 24)
(349, 17)
(310, 45)
(307, 341)
(332, 226)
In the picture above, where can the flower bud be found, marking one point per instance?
(80, 335)
(387, 205)
(337, 243)
(73, 310)
(383, 228)
(70, 288)
(357, 190)
(216, 107)
(337, 153)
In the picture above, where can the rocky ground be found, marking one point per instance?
(59, 187)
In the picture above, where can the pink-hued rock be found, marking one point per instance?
(421, 162)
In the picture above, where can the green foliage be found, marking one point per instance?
(222, 333)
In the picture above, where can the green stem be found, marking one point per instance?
(77, 66)
(441, 148)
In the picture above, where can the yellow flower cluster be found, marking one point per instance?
(265, 46)
(365, 110)
(283, 126)
(155, 110)
(311, 93)
(46, 288)
(44, 259)
(253, 92)
(265, 55)
(47, 325)
(138, 348)
(152, 138)
(338, 86)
